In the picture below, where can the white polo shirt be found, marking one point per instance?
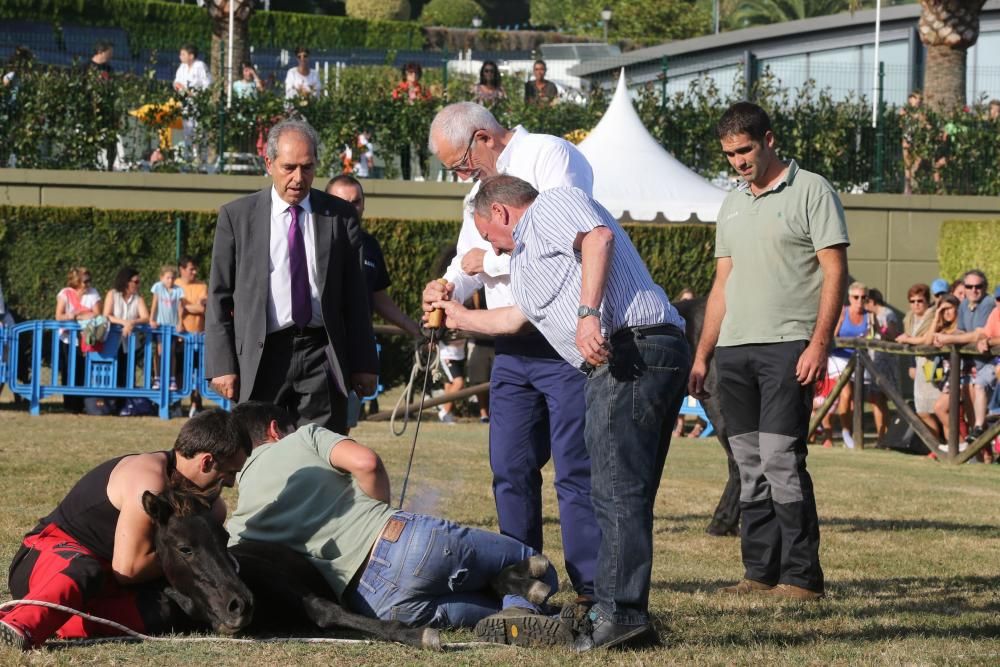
(544, 161)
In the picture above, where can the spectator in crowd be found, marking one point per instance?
(884, 326)
(191, 78)
(686, 294)
(6, 321)
(249, 84)
(957, 289)
(192, 74)
(994, 112)
(973, 313)
(939, 288)
(193, 311)
(17, 64)
(100, 63)
(539, 90)
(452, 357)
(853, 323)
(167, 311)
(377, 279)
(946, 324)
(489, 90)
(916, 325)
(301, 80)
(989, 336)
(410, 91)
(365, 164)
(77, 302)
(125, 307)
(104, 51)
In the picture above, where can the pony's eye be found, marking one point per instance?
(187, 551)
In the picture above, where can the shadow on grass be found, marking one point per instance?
(860, 524)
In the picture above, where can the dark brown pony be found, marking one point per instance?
(253, 587)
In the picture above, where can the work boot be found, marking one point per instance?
(790, 592)
(746, 587)
(606, 634)
(524, 579)
(523, 627)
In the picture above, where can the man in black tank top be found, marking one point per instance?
(95, 549)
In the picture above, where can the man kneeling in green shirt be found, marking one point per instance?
(327, 497)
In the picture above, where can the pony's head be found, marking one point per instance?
(191, 546)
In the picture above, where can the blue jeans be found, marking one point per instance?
(438, 573)
(632, 404)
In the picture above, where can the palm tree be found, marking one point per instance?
(745, 13)
(947, 28)
(218, 10)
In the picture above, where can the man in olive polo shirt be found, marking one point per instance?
(781, 266)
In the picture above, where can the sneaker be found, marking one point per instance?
(446, 417)
(606, 634)
(973, 434)
(484, 420)
(791, 592)
(848, 439)
(156, 383)
(11, 636)
(173, 384)
(962, 446)
(523, 627)
(193, 411)
(746, 587)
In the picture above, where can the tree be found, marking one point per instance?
(218, 10)
(640, 20)
(947, 28)
(451, 13)
(746, 13)
(380, 10)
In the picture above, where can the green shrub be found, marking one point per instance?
(453, 13)
(969, 244)
(379, 10)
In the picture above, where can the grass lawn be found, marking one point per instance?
(911, 551)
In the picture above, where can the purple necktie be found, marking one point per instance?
(298, 272)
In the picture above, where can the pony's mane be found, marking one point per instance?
(185, 498)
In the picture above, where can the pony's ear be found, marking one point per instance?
(156, 507)
(183, 601)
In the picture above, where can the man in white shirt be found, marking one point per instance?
(192, 74)
(300, 80)
(537, 408)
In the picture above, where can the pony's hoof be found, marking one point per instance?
(430, 639)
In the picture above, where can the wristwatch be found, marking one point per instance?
(587, 311)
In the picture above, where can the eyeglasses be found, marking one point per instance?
(978, 286)
(917, 301)
(460, 165)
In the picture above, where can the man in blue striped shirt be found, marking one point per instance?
(576, 276)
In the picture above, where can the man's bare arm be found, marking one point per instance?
(812, 362)
(596, 249)
(495, 322)
(134, 559)
(364, 465)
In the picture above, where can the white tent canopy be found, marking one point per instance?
(633, 173)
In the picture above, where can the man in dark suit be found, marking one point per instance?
(287, 319)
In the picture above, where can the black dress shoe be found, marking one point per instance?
(607, 634)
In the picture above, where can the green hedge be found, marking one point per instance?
(165, 26)
(969, 244)
(38, 244)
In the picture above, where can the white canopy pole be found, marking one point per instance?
(878, 30)
(229, 58)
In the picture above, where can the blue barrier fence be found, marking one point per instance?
(123, 368)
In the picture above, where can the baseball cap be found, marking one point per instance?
(939, 286)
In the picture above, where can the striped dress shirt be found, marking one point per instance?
(546, 272)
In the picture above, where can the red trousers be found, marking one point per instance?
(53, 567)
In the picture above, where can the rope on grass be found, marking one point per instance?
(138, 636)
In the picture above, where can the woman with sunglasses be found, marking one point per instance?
(916, 325)
(125, 307)
(855, 322)
(489, 90)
